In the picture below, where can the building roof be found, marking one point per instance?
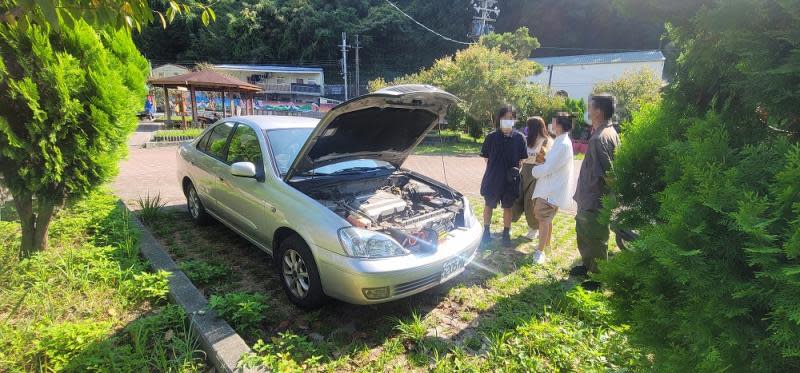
(270, 68)
(205, 80)
(171, 64)
(270, 122)
(589, 59)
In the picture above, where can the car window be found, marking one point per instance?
(201, 145)
(244, 146)
(285, 144)
(215, 145)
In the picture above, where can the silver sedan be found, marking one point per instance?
(329, 200)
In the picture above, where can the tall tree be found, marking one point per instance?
(632, 90)
(69, 104)
(486, 76)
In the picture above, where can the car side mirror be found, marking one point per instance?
(243, 169)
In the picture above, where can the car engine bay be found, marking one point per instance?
(413, 212)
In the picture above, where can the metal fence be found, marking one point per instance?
(309, 114)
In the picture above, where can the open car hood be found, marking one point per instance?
(385, 125)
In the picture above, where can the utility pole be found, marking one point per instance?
(482, 23)
(344, 64)
(358, 80)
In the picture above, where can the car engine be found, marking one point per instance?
(413, 212)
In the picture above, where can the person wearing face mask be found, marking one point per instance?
(553, 183)
(504, 149)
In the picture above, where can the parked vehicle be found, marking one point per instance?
(328, 198)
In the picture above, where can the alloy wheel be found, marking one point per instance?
(295, 273)
(194, 203)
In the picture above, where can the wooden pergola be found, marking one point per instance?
(207, 80)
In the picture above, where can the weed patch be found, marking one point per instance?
(243, 310)
(203, 272)
(88, 302)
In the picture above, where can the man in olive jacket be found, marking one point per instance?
(592, 235)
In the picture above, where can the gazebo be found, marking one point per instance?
(206, 80)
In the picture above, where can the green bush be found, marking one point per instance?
(147, 286)
(712, 180)
(243, 310)
(150, 208)
(61, 343)
(177, 135)
(287, 353)
(203, 273)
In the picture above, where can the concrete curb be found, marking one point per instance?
(161, 144)
(220, 342)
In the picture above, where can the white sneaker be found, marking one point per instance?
(532, 234)
(538, 257)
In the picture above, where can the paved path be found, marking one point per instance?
(153, 171)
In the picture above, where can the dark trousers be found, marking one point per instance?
(592, 238)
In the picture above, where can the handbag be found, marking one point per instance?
(512, 175)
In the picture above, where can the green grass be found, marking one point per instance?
(466, 145)
(174, 118)
(177, 135)
(89, 302)
(502, 314)
(459, 148)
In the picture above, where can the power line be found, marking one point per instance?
(426, 27)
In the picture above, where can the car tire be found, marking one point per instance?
(293, 259)
(196, 209)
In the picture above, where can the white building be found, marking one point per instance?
(576, 76)
(281, 83)
(168, 70)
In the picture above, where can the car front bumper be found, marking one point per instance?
(346, 278)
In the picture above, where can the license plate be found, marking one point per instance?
(451, 267)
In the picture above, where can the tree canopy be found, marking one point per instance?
(487, 76)
(308, 32)
(632, 91)
(98, 13)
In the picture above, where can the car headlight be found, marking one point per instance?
(362, 243)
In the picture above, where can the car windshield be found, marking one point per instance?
(351, 166)
(285, 144)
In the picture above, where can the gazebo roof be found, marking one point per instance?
(205, 80)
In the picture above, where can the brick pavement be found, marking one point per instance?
(154, 171)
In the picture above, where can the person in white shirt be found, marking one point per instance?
(539, 142)
(553, 182)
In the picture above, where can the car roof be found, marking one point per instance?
(269, 122)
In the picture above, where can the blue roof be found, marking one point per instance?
(588, 59)
(270, 68)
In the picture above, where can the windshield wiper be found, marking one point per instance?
(355, 170)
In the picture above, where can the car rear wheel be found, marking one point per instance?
(298, 273)
(196, 208)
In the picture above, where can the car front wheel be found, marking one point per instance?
(298, 273)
